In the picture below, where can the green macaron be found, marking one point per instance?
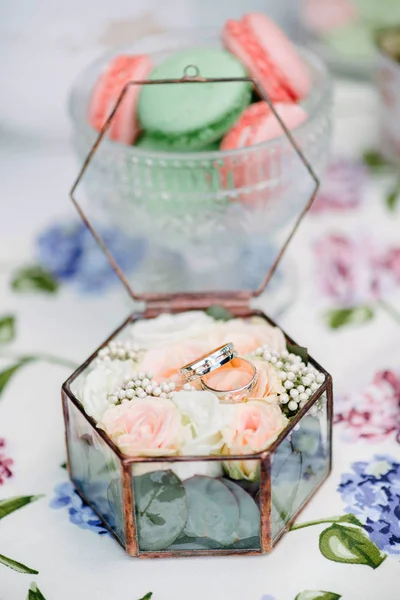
(157, 144)
(190, 116)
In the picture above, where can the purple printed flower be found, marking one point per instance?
(343, 186)
(372, 413)
(5, 464)
(79, 513)
(372, 494)
(353, 272)
(72, 255)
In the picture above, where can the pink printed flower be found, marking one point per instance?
(343, 186)
(347, 269)
(5, 464)
(353, 272)
(390, 264)
(373, 413)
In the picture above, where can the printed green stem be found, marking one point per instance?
(389, 309)
(318, 522)
(55, 360)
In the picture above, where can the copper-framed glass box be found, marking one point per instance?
(152, 506)
(291, 471)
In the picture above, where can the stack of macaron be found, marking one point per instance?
(207, 116)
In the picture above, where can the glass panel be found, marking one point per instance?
(299, 465)
(165, 215)
(197, 505)
(95, 471)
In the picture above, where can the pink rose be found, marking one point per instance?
(148, 427)
(252, 427)
(246, 335)
(237, 374)
(165, 361)
(268, 382)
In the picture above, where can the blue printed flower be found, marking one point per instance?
(72, 255)
(372, 493)
(79, 513)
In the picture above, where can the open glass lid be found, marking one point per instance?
(210, 220)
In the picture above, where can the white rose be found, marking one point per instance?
(101, 381)
(202, 411)
(167, 328)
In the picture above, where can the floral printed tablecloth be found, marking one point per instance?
(59, 301)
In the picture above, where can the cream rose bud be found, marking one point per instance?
(250, 427)
(146, 427)
(246, 334)
(167, 329)
(93, 389)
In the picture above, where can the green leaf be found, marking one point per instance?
(317, 595)
(350, 519)
(337, 318)
(8, 373)
(248, 525)
(393, 197)
(344, 544)
(213, 510)
(13, 564)
(375, 161)
(34, 593)
(161, 509)
(63, 465)
(299, 351)
(219, 313)
(147, 596)
(35, 278)
(7, 329)
(9, 505)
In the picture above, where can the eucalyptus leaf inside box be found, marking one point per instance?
(224, 461)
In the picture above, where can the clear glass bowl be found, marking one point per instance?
(213, 220)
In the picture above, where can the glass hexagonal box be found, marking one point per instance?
(225, 476)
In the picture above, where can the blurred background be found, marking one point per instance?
(337, 291)
(45, 45)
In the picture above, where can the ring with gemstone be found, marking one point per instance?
(209, 362)
(233, 383)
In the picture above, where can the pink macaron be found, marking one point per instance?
(258, 124)
(269, 57)
(124, 127)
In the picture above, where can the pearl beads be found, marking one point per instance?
(140, 385)
(118, 350)
(299, 381)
